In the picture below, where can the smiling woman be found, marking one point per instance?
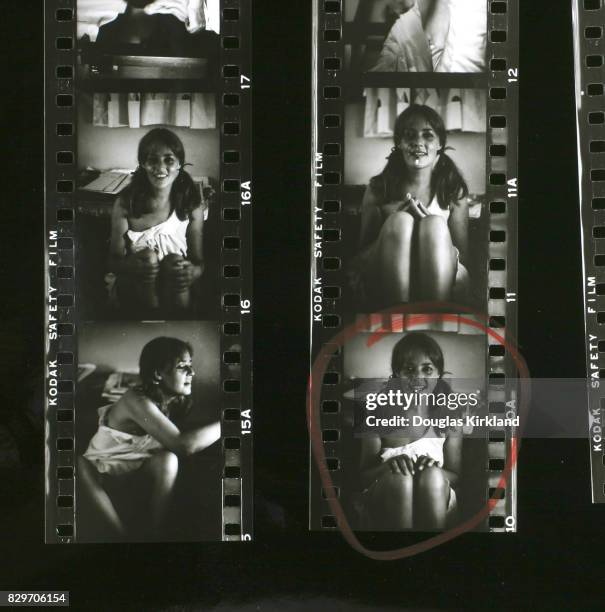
(134, 456)
(414, 219)
(407, 476)
(156, 228)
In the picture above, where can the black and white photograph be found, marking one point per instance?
(423, 472)
(148, 433)
(414, 197)
(139, 261)
(146, 222)
(445, 36)
(121, 491)
(137, 39)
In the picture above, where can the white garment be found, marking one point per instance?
(465, 45)
(116, 452)
(92, 14)
(407, 47)
(169, 237)
(431, 447)
(434, 209)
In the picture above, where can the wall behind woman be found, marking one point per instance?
(117, 347)
(366, 157)
(464, 355)
(104, 148)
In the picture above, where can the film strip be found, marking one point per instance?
(590, 78)
(371, 75)
(148, 271)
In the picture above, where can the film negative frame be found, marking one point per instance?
(589, 47)
(233, 90)
(501, 82)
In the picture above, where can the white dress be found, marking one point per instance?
(169, 237)
(407, 47)
(429, 445)
(465, 45)
(116, 452)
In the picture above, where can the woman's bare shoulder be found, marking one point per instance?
(120, 207)
(134, 401)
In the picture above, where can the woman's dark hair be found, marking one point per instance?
(446, 181)
(158, 354)
(184, 194)
(418, 342)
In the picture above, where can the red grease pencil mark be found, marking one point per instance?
(313, 416)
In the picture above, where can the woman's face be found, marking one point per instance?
(178, 379)
(419, 373)
(419, 144)
(162, 167)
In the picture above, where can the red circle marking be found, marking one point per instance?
(313, 417)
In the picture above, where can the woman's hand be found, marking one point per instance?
(181, 273)
(424, 461)
(402, 464)
(143, 264)
(414, 207)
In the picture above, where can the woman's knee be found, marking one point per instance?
(87, 471)
(397, 487)
(398, 227)
(165, 465)
(433, 227)
(432, 481)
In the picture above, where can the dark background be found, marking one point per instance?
(554, 559)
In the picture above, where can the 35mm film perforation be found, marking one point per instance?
(590, 77)
(148, 215)
(397, 101)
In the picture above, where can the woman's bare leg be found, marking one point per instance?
(392, 502)
(390, 269)
(431, 494)
(162, 470)
(175, 294)
(89, 478)
(147, 287)
(436, 259)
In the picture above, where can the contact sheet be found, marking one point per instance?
(414, 259)
(148, 202)
(589, 76)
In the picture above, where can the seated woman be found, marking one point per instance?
(156, 231)
(436, 36)
(414, 221)
(407, 476)
(133, 458)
